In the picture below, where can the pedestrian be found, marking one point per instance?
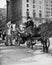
(8, 34)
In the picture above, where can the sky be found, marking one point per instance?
(2, 3)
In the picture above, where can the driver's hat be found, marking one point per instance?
(28, 17)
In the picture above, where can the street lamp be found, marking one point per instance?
(7, 1)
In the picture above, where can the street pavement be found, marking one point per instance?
(21, 55)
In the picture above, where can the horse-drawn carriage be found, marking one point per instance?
(31, 34)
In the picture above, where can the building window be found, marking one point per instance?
(33, 1)
(40, 2)
(33, 10)
(40, 11)
(33, 6)
(46, 1)
(34, 14)
(51, 8)
(27, 5)
(47, 12)
(27, 0)
(40, 15)
(51, 1)
(27, 9)
(27, 14)
(47, 15)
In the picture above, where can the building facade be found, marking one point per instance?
(33, 8)
(27, 9)
(48, 8)
(21, 9)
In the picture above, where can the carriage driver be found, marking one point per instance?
(29, 25)
(30, 22)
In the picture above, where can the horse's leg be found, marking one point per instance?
(43, 46)
(28, 45)
(46, 49)
(31, 45)
(19, 44)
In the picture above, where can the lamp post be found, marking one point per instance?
(7, 1)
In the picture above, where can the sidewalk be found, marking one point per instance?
(39, 59)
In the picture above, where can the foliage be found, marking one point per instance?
(46, 29)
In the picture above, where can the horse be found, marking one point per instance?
(31, 33)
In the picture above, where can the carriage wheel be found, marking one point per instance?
(46, 46)
(48, 43)
(18, 42)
